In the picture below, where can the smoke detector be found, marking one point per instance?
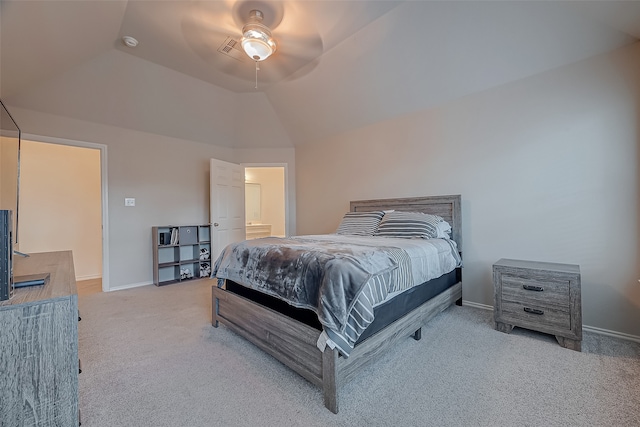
(129, 41)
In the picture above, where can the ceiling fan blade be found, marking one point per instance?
(211, 27)
(206, 31)
(302, 48)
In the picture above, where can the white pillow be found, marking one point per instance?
(444, 230)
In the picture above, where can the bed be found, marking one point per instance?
(301, 338)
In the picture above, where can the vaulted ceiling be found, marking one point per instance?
(339, 64)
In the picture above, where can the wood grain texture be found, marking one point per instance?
(39, 346)
(504, 327)
(62, 281)
(291, 342)
(11, 388)
(569, 343)
(294, 343)
(541, 296)
(330, 379)
(448, 207)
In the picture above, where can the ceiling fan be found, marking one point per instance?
(257, 41)
(279, 33)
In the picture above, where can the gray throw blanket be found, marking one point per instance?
(326, 277)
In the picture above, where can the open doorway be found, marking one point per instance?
(265, 201)
(61, 206)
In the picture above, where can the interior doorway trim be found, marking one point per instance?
(287, 212)
(103, 196)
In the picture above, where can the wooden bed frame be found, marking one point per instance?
(294, 343)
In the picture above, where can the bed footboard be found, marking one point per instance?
(291, 342)
(294, 343)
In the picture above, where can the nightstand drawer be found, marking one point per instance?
(544, 293)
(531, 314)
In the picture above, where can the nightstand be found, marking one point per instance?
(540, 296)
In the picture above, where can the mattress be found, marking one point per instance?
(387, 312)
(340, 278)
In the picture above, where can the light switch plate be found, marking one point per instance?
(129, 201)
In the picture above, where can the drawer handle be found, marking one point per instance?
(533, 311)
(533, 288)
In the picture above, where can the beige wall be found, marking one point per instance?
(168, 177)
(60, 207)
(271, 180)
(547, 168)
(9, 176)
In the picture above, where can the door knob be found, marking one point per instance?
(215, 224)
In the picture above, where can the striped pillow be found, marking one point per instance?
(409, 225)
(360, 223)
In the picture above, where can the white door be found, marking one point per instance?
(227, 205)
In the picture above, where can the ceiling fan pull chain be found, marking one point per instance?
(257, 68)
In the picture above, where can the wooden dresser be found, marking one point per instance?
(541, 296)
(39, 346)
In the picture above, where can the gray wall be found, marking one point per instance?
(547, 168)
(168, 177)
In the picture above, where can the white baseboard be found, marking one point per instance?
(129, 286)
(477, 305)
(607, 332)
(592, 329)
(89, 277)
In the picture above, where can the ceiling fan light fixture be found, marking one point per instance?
(256, 38)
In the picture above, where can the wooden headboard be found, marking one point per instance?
(448, 207)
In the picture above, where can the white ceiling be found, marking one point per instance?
(339, 64)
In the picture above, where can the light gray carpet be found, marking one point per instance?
(150, 357)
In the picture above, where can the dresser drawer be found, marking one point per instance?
(525, 314)
(545, 293)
